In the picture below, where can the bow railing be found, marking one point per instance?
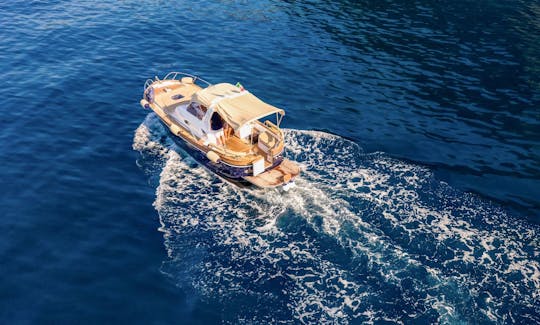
(175, 75)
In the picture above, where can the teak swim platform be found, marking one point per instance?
(224, 127)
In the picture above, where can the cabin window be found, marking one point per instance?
(196, 110)
(216, 122)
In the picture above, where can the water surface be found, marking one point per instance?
(420, 197)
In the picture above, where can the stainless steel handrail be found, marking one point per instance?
(175, 75)
(147, 83)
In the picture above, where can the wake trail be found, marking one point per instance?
(361, 238)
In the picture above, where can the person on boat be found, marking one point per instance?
(227, 132)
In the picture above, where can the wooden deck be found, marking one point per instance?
(171, 95)
(280, 175)
(235, 144)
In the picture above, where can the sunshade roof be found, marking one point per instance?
(236, 106)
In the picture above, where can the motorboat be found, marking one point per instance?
(224, 127)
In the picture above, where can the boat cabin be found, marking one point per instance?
(228, 116)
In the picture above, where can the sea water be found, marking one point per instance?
(416, 126)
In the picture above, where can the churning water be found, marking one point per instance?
(363, 237)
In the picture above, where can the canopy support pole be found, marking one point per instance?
(279, 118)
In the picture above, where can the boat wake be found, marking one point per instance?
(362, 238)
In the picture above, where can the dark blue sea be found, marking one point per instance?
(417, 124)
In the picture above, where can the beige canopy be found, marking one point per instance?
(236, 106)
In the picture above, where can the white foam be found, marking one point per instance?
(380, 210)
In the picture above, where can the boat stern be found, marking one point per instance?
(281, 175)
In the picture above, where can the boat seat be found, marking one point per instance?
(267, 140)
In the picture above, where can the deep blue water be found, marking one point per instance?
(417, 124)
